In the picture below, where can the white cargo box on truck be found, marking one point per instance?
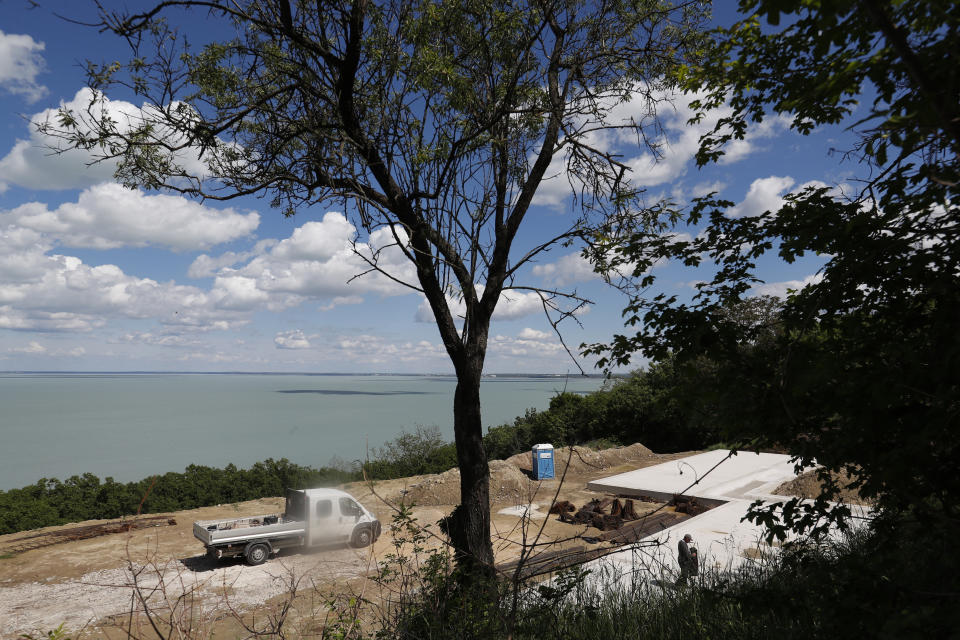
(312, 517)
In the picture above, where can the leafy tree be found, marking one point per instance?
(411, 454)
(863, 371)
(661, 408)
(432, 122)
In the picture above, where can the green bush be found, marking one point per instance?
(662, 407)
(410, 454)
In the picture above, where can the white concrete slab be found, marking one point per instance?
(724, 542)
(714, 475)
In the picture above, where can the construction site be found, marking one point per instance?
(599, 508)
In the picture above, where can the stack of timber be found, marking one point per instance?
(550, 561)
(643, 527)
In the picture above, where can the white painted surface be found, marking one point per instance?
(723, 541)
(715, 474)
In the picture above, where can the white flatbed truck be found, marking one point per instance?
(311, 518)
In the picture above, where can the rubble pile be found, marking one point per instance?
(688, 505)
(595, 513)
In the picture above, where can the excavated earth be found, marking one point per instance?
(95, 586)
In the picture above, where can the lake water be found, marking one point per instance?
(130, 426)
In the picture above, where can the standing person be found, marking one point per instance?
(687, 556)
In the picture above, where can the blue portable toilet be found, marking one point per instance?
(542, 461)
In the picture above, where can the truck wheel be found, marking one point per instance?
(257, 554)
(361, 537)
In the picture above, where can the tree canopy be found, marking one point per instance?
(860, 370)
(433, 123)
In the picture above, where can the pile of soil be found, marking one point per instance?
(584, 459)
(511, 480)
(508, 484)
(809, 486)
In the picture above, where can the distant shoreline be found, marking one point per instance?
(300, 373)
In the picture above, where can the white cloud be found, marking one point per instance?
(501, 345)
(703, 188)
(291, 340)
(512, 305)
(533, 334)
(374, 350)
(574, 268)
(45, 291)
(316, 262)
(569, 269)
(32, 348)
(109, 215)
(737, 150)
(35, 164)
(781, 289)
(20, 64)
(205, 266)
(41, 291)
(765, 194)
(675, 148)
(160, 340)
(339, 301)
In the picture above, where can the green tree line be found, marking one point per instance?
(658, 407)
(51, 502)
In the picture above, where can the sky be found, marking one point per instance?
(97, 277)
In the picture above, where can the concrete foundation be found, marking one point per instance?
(724, 541)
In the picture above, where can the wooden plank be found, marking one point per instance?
(551, 561)
(645, 526)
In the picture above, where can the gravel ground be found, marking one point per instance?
(37, 607)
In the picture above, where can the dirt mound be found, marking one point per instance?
(510, 480)
(586, 459)
(507, 484)
(809, 486)
(581, 459)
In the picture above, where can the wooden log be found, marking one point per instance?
(645, 526)
(562, 506)
(584, 516)
(550, 561)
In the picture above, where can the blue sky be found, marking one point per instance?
(97, 277)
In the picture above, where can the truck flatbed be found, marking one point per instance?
(213, 532)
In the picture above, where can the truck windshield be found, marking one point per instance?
(296, 502)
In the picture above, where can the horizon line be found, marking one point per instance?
(292, 373)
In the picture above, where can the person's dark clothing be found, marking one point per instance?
(688, 561)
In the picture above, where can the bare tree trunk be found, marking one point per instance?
(469, 525)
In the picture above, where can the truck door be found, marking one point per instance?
(324, 523)
(351, 512)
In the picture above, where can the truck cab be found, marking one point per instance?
(333, 517)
